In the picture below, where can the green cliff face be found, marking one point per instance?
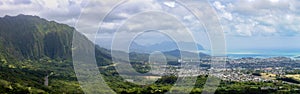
(31, 37)
(32, 48)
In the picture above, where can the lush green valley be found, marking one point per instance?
(34, 50)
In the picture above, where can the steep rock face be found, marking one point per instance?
(31, 37)
(33, 49)
(25, 37)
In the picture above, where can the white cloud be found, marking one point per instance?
(244, 29)
(221, 9)
(63, 11)
(238, 17)
(259, 17)
(170, 3)
(218, 5)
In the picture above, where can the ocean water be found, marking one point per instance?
(264, 53)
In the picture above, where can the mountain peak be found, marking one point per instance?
(165, 46)
(21, 16)
(34, 37)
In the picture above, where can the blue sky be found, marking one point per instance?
(247, 24)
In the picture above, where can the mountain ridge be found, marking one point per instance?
(36, 47)
(35, 37)
(163, 46)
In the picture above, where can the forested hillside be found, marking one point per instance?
(36, 57)
(33, 50)
(31, 37)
